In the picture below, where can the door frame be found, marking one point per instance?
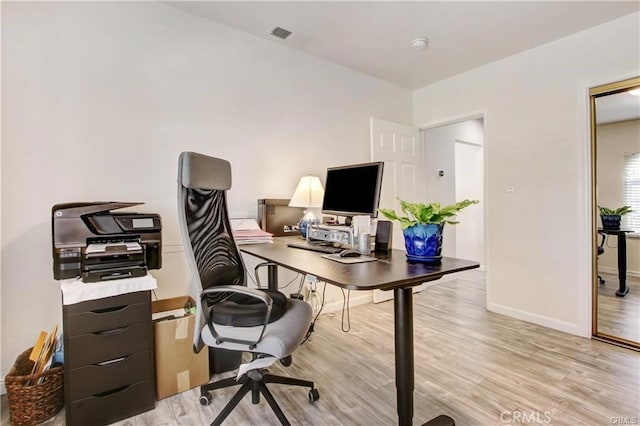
(474, 115)
(457, 119)
(460, 119)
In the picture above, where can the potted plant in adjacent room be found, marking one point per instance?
(422, 226)
(611, 217)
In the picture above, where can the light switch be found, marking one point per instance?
(511, 187)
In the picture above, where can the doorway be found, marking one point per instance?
(454, 170)
(615, 150)
(442, 163)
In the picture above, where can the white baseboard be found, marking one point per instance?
(614, 271)
(353, 301)
(542, 320)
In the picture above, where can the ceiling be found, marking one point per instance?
(617, 107)
(374, 37)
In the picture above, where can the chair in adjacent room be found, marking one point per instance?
(601, 280)
(230, 315)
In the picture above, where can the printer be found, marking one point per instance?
(91, 242)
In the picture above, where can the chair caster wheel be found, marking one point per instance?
(314, 395)
(205, 399)
(286, 361)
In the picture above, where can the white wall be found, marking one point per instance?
(536, 130)
(98, 100)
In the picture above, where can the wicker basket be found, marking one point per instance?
(30, 405)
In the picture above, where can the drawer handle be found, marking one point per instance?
(111, 392)
(111, 361)
(113, 309)
(114, 331)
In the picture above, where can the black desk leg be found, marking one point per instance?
(403, 319)
(622, 265)
(272, 276)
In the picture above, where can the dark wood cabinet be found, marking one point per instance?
(108, 359)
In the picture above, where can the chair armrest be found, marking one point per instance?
(254, 293)
(604, 239)
(261, 295)
(258, 266)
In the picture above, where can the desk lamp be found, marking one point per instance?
(308, 195)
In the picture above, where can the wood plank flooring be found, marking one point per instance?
(478, 367)
(619, 316)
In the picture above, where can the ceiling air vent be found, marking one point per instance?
(280, 33)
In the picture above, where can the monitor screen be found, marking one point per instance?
(353, 190)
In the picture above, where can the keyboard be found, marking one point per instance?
(320, 248)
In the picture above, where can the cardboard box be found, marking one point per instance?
(177, 368)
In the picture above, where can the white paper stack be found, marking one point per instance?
(247, 231)
(119, 246)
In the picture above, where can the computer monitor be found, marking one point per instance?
(353, 190)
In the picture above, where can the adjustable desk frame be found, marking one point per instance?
(621, 234)
(390, 272)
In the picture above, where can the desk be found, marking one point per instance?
(621, 234)
(390, 272)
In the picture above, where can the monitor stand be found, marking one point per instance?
(347, 222)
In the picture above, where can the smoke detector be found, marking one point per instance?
(419, 43)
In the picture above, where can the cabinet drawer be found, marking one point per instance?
(108, 302)
(110, 407)
(107, 318)
(113, 374)
(101, 346)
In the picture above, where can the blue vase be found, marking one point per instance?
(611, 221)
(424, 242)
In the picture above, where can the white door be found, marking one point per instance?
(399, 146)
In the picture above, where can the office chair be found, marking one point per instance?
(601, 280)
(230, 315)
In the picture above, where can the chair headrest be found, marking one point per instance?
(203, 172)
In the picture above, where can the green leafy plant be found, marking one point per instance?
(620, 211)
(420, 213)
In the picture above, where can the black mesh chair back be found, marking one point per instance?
(216, 254)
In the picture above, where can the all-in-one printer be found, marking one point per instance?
(91, 242)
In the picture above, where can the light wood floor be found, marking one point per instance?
(619, 316)
(478, 367)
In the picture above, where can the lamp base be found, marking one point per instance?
(309, 219)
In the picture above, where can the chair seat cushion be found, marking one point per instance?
(245, 311)
(280, 338)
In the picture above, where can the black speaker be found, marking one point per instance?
(384, 236)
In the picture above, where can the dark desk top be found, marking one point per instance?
(388, 272)
(614, 231)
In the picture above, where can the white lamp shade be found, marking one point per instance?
(309, 193)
